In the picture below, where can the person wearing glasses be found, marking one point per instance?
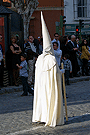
(1, 63)
(30, 49)
(56, 39)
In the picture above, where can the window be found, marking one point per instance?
(82, 8)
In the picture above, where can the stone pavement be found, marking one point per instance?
(16, 113)
(10, 89)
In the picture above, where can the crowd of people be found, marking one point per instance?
(67, 49)
(74, 55)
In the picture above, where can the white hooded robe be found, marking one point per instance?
(48, 102)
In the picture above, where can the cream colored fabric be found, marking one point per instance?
(47, 44)
(48, 104)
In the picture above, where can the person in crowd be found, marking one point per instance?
(41, 46)
(48, 102)
(16, 50)
(9, 67)
(61, 42)
(1, 63)
(67, 67)
(85, 57)
(71, 50)
(25, 43)
(57, 53)
(31, 57)
(39, 39)
(56, 39)
(77, 41)
(24, 76)
(36, 44)
(17, 39)
(64, 45)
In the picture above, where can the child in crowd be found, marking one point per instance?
(57, 52)
(24, 76)
(67, 67)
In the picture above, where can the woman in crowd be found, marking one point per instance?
(16, 50)
(85, 57)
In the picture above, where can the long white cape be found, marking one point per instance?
(48, 102)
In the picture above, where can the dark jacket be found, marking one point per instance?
(70, 50)
(30, 53)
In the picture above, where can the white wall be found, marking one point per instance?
(68, 11)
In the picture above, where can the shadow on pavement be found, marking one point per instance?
(78, 119)
(10, 103)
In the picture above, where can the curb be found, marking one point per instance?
(11, 89)
(79, 79)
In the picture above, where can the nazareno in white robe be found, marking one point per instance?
(48, 102)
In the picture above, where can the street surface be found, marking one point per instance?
(16, 113)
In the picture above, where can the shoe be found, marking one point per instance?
(32, 93)
(24, 95)
(30, 90)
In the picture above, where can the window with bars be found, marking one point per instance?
(82, 8)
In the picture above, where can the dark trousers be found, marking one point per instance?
(75, 66)
(15, 75)
(67, 73)
(10, 77)
(85, 67)
(26, 87)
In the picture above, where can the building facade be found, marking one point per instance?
(52, 9)
(74, 10)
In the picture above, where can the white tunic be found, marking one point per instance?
(48, 103)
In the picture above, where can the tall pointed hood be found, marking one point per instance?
(47, 44)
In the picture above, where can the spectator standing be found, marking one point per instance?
(77, 41)
(39, 39)
(9, 55)
(31, 56)
(36, 44)
(64, 45)
(24, 75)
(67, 67)
(85, 57)
(1, 64)
(57, 53)
(56, 39)
(25, 43)
(41, 46)
(71, 50)
(16, 50)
